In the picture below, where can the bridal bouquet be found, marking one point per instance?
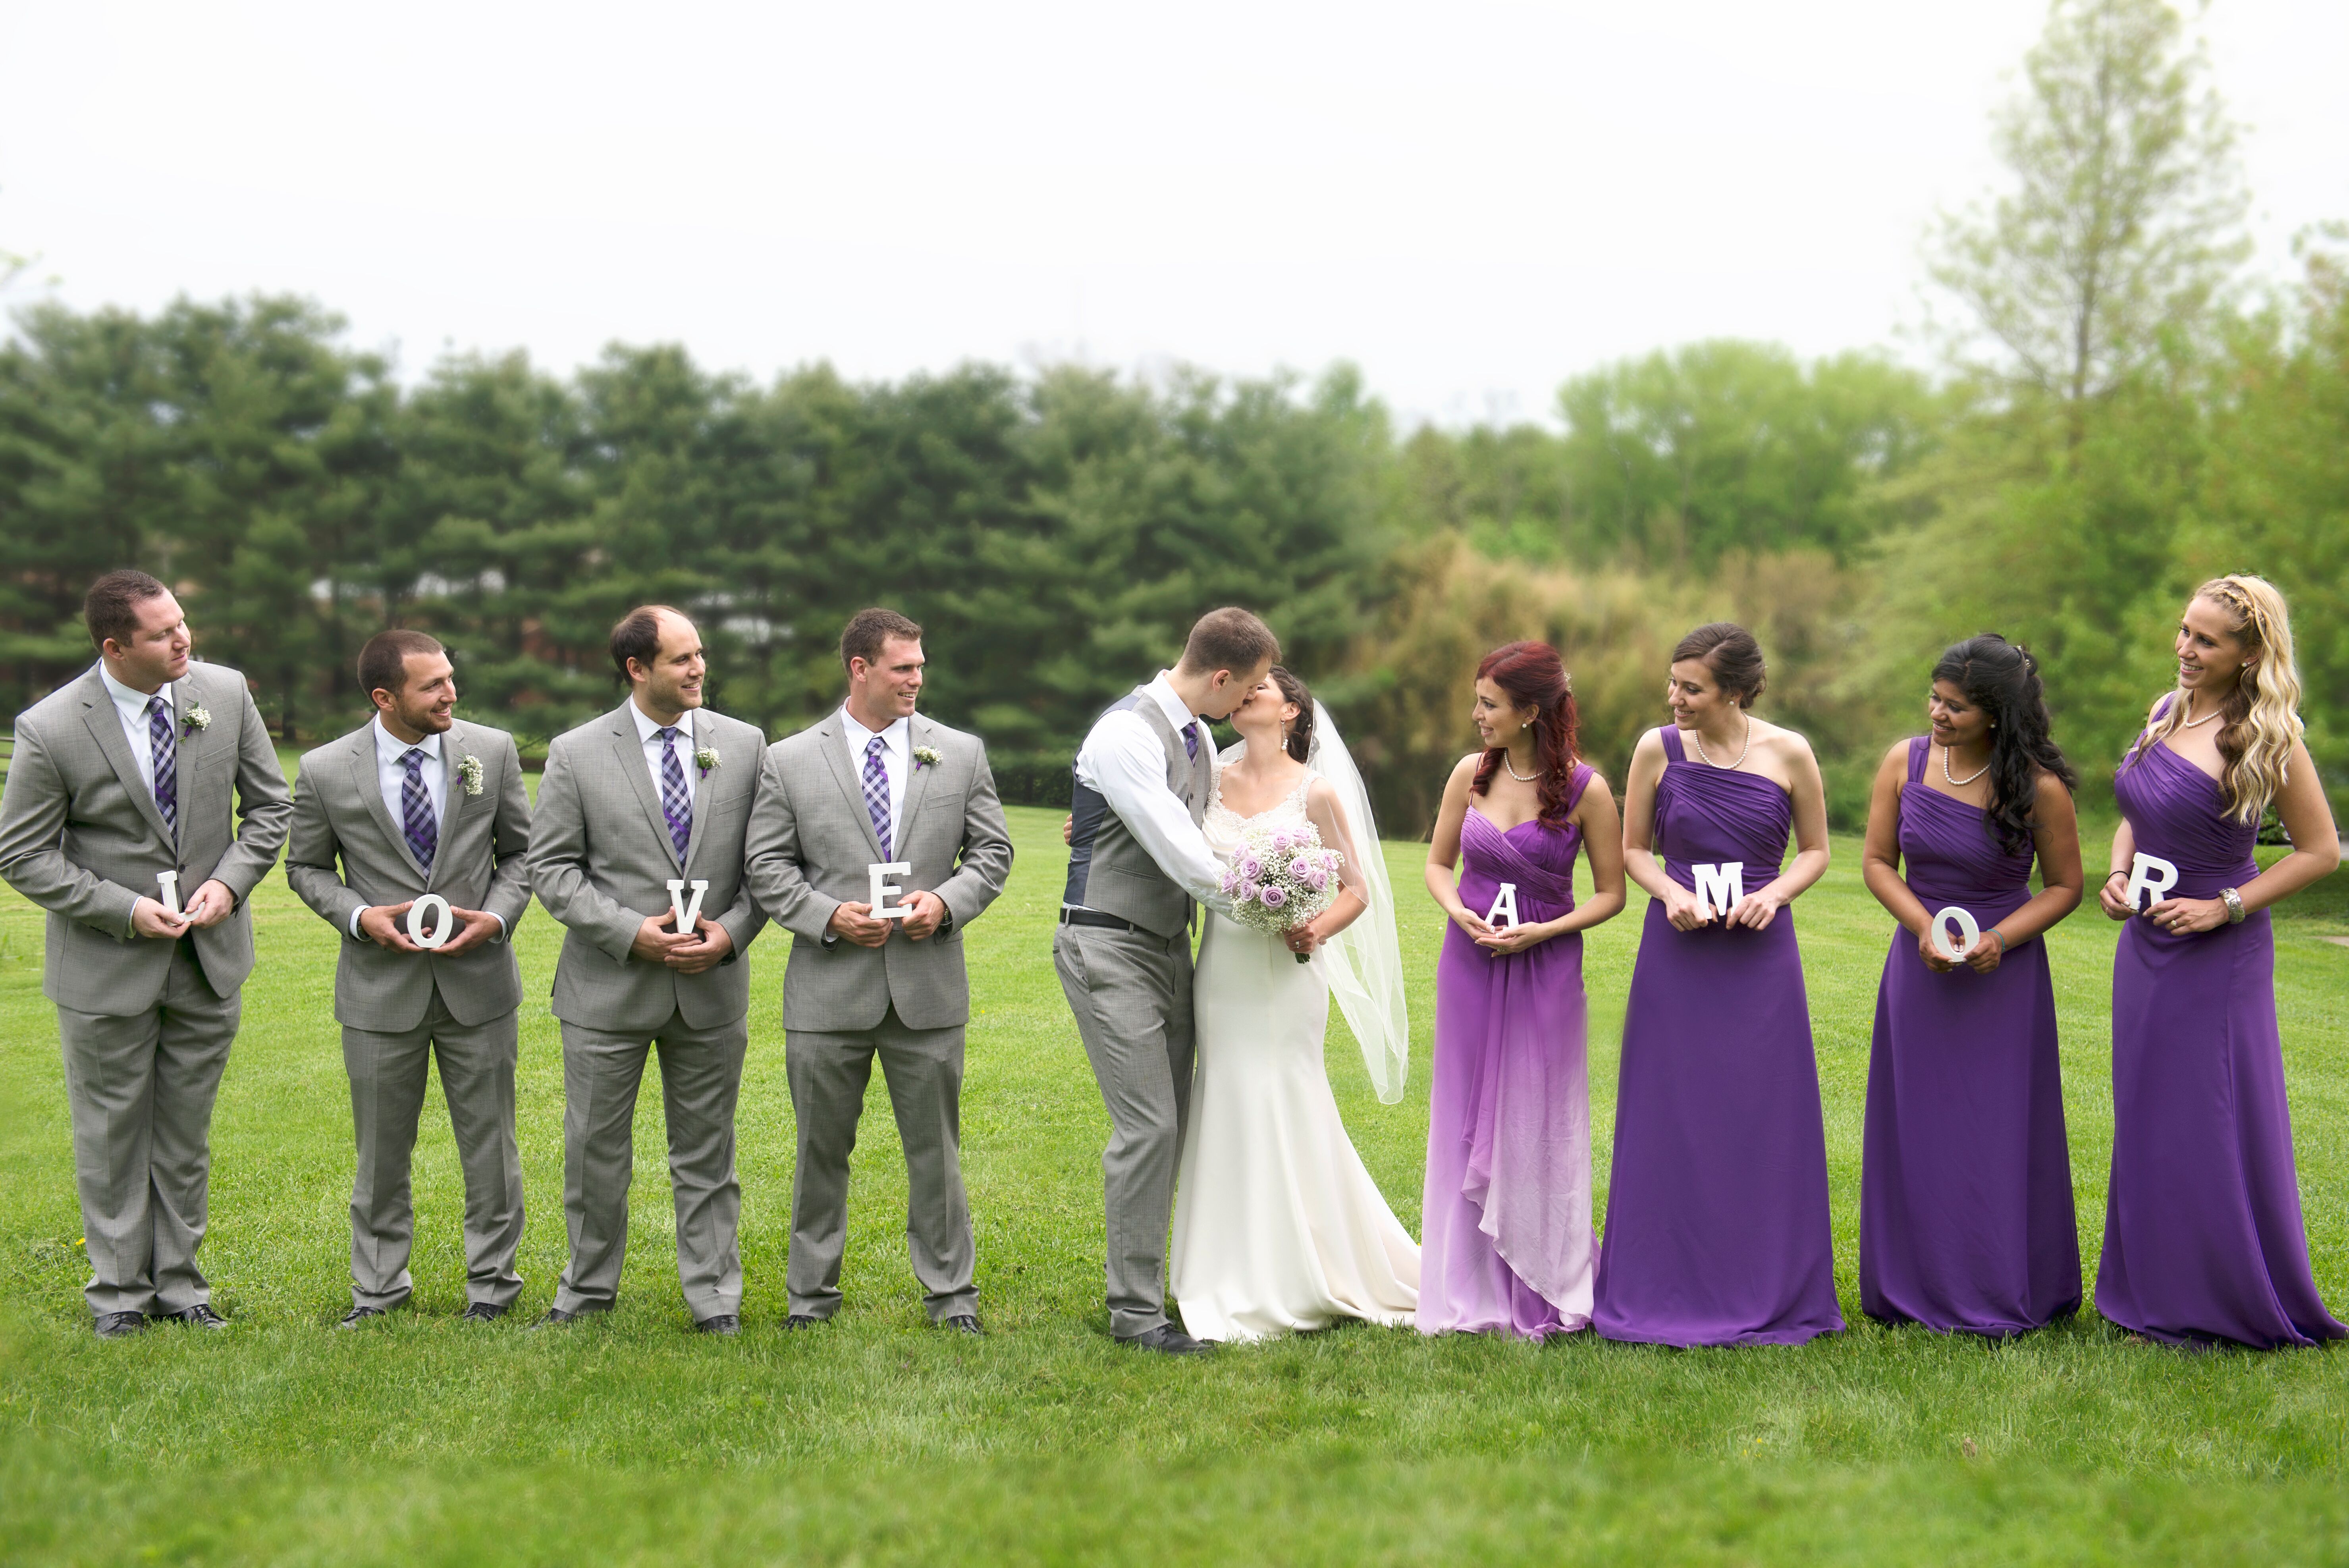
(1281, 877)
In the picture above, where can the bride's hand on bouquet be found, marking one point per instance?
(1303, 939)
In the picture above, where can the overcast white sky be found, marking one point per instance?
(1472, 200)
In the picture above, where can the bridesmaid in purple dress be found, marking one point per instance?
(1717, 1229)
(2203, 1235)
(1965, 1198)
(1506, 1241)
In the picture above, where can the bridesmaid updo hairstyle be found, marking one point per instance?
(2262, 712)
(2001, 679)
(1531, 675)
(1297, 739)
(1730, 651)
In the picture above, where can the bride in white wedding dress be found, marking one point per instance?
(1278, 1225)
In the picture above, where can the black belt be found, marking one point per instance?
(1094, 917)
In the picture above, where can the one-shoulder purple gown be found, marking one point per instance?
(2203, 1235)
(1717, 1230)
(1505, 1237)
(1966, 1223)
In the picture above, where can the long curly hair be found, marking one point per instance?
(1531, 675)
(2262, 710)
(2001, 679)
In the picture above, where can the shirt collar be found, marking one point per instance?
(130, 700)
(390, 747)
(647, 728)
(894, 737)
(1178, 713)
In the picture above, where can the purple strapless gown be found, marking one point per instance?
(1965, 1198)
(2203, 1236)
(1506, 1242)
(1717, 1230)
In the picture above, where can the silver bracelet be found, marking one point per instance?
(2233, 899)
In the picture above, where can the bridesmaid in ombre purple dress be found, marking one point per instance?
(2204, 1239)
(1717, 1229)
(1505, 1244)
(1965, 1208)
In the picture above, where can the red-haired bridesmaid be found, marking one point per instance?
(1505, 1244)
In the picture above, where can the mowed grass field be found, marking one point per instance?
(878, 1440)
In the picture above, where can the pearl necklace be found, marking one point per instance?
(2190, 723)
(1955, 782)
(1533, 776)
(1697, 740)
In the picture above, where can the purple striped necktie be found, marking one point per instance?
(877, 792)
(415, 810)
(1191, 740)
(163, 750)
(676, 805)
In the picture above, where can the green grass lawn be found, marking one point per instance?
(878, 1440)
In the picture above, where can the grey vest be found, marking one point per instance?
(1108, 869)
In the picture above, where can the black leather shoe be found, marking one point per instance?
(199, 1315)
(483, 1311)
(1168, 1340)
(802, 1320)
(961, 1323)
(557, 1317)
(120, 1324)
(359, 1314)
(724, 1322)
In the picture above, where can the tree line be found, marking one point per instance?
(2117, 418)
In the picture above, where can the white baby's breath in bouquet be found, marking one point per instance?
(1281, 877)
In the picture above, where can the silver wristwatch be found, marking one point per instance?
(2234, 902)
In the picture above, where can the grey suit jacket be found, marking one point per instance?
(812, 846)
(340, 813)
(81, 836)
(601, 860)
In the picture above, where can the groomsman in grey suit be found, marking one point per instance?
(1138, 867)
(415, 803)
(876, 783)
(148, 767)
(637, 811)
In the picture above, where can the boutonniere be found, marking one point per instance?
(705, 758)
(926, 756)
(194, 719)
(469, 769)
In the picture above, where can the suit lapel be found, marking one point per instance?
(105, 724)
(703, 790)
(631, 753)
(368, 780)
(452, 796)
(852, 789)
(918, 783)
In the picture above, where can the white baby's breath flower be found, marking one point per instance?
(705, 758)
(469, 768)
(195, 718)
(926, 756)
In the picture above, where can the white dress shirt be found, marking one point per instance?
(896, 762)
(649, 732)
(1125, 760)
(391, 779)
(132, 705)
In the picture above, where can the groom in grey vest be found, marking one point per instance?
(1138, 865)
(634, 807)
(875, 783)
(417, 804)
(141, 769)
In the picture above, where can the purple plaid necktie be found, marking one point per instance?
(676, 805)
(877, 792)
(164, 748)
(415, 810)
(1191, 740)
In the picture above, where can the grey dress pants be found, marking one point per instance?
(387, 1073)
(1130, 992)
(923, 1067)
(140, 1090)
(702, 1078)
